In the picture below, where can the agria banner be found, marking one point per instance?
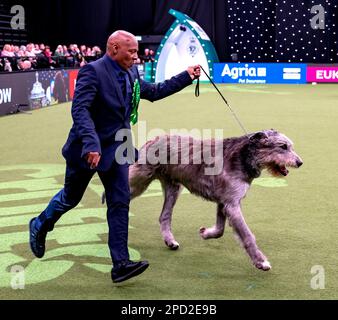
(260, 73)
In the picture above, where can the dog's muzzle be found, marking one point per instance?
(282, 170)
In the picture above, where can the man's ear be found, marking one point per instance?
(114, 48)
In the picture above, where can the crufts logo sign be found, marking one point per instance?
(18, 20)
(192, 47)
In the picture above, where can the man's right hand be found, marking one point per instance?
(194, 71)
(93, 159)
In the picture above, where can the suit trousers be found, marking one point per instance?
(115, 182)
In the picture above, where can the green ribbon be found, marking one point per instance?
(135, 102)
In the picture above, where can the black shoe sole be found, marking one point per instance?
(134, 273)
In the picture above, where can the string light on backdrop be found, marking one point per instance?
(277, 31)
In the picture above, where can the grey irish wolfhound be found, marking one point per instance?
(220, 171)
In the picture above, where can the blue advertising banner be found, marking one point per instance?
(260, 73)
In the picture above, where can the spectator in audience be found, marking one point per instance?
(7, 66)
(89, 52)
(47, 53)
(60, 56)
(147, 57)
(83, 50)
(82, 60)
(7, 51)
(74, 50)
(65, 51)
(36, 49)
(16, 50)
(31, 55)
(20, 53)
(27, 65)
(69, 57)
(30, 51)
(40, 56)
(24, 65)
(8, 63)
(96, 52)
(73, 59)
(59, 51)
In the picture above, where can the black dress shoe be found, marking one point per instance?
(128, 269)
(37, 239)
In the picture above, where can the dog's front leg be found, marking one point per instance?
(236, 220)
(171, 193)
(218, 229)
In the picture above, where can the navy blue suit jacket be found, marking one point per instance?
(99, 110)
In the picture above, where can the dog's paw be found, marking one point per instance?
(203, 233)
(172, 245)
(263, 265)
(210, 233)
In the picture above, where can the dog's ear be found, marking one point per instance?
(259, 137)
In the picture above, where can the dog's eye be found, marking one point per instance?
(284, 146)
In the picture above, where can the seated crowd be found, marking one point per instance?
(34, 56)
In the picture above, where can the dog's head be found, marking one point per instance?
(274, 151)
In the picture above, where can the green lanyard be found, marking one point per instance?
(135, 102)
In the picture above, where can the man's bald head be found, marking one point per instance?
(120, 37)
(122, 47)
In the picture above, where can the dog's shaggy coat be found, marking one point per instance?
(220, 171)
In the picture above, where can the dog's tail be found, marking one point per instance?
(141, 174)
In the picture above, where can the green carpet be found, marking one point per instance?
(295, 220)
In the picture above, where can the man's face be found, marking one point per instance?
(126, 52)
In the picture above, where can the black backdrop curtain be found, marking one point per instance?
(73, 21)
(201, 11)
(255, 30)
(91, 22)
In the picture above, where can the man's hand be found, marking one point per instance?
(194, 72)
(93, 159)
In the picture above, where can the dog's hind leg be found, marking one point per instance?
(140, 176)
(171, 192)
(218, 229)
(236, 220)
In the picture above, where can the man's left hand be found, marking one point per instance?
(194, 72)
(93, 159)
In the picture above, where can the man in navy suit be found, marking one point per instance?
(102, 106)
